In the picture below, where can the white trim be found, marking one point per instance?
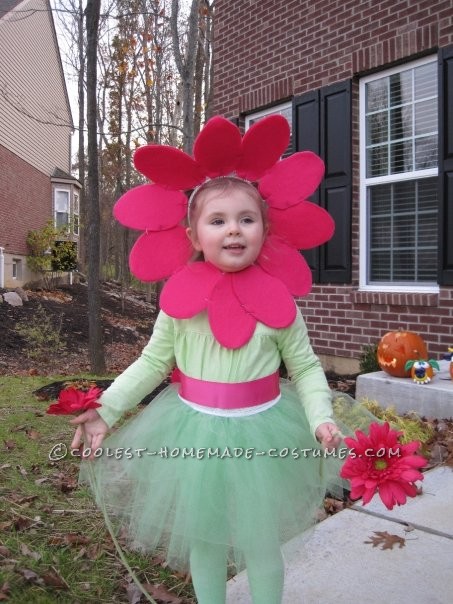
(242, 412)
(275, 109)
(364, 182)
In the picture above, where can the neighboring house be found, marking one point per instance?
(368, 85)
(35, 135)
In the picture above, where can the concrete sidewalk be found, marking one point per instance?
(335, 564)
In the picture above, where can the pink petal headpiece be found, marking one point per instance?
(163, 250)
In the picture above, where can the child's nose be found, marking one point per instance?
(234, 227)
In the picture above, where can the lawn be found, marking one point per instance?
(53, 543)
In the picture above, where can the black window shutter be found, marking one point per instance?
(336, 188)
(446, 166)
(322, 123)
(306, 137)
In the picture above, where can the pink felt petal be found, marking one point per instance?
(187, 292)
(218, 147)
(287, 264)
(150, 207)
(276, 309)
(156, 255)
(262, 146)
(169, 167)
(303, 225)
(231, 325)
(292, 180)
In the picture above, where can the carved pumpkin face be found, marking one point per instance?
(398, 347)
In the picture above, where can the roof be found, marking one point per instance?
(60, 174)
(7, 6)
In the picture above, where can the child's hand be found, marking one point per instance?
(94, 427)
(328, 435)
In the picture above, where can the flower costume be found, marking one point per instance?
(227, 456)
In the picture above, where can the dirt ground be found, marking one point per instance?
(127, 322)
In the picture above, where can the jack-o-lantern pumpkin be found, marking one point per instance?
(422, 372)
(398, 347)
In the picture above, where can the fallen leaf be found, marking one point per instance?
(30, 575)
(21, 523)
(26, 551)
(22, 470)
(386, 540)
(40, 481)
(4, 551)
(160, 592)
(69, 539)
(5, 466)
(4, 591)
(9, 444)
(53, 579)
(32, 434)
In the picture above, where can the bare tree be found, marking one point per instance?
(185, 63)
(95, 344)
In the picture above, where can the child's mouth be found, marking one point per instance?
(234, 246)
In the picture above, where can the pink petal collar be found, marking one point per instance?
(234, 301)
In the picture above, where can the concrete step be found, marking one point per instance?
(431, 400)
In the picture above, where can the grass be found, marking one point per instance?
(53, 543)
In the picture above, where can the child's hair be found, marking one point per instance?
(223, 185)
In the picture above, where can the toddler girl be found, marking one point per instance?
(225, 465)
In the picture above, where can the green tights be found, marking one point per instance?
(265, 570)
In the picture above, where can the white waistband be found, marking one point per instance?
(242, 412)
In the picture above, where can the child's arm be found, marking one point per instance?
(307, 374)
(145, 374)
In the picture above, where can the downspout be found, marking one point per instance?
(2, 267)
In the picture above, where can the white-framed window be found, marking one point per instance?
(17, 269)
(285, 109)
(75, 213)
(62, 199)
(398, 178)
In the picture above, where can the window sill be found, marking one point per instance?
(395, 298)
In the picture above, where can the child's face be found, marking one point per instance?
(229, 229)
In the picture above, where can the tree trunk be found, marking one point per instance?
(95, 343)
(81, 142)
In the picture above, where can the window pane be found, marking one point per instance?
(377, 161)
(425, 118)
(377, 95)
(401, 88)
(425, 81)
(401, 157)
(401, 123)
(377, 128)
(426, 152)
(61, 219)
(62, 201)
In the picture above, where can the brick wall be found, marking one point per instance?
(266, 52)
(25, 201)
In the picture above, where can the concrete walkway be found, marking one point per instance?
(335, 565)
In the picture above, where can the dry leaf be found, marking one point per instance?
(32, 434)
(26, 551)
(30, 575)
(53, 579)
(4, 551)
(4, 595)
(22, 470)
(386, 540)
(160, 592)
(9, 444)
(5, 466)
(69, 539)
(22, 523)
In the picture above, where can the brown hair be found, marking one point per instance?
(223, 184)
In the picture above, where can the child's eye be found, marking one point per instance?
(217, 221)
(248, 220)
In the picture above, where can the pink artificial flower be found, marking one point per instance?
(72, 400)
(379, 463)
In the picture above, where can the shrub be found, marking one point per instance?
(368, 359)
(42, 337)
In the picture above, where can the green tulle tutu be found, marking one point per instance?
(172, 475)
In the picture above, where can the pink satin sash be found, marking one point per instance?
(222, 395)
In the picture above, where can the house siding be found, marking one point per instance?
(267, 52)
(35, 120)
